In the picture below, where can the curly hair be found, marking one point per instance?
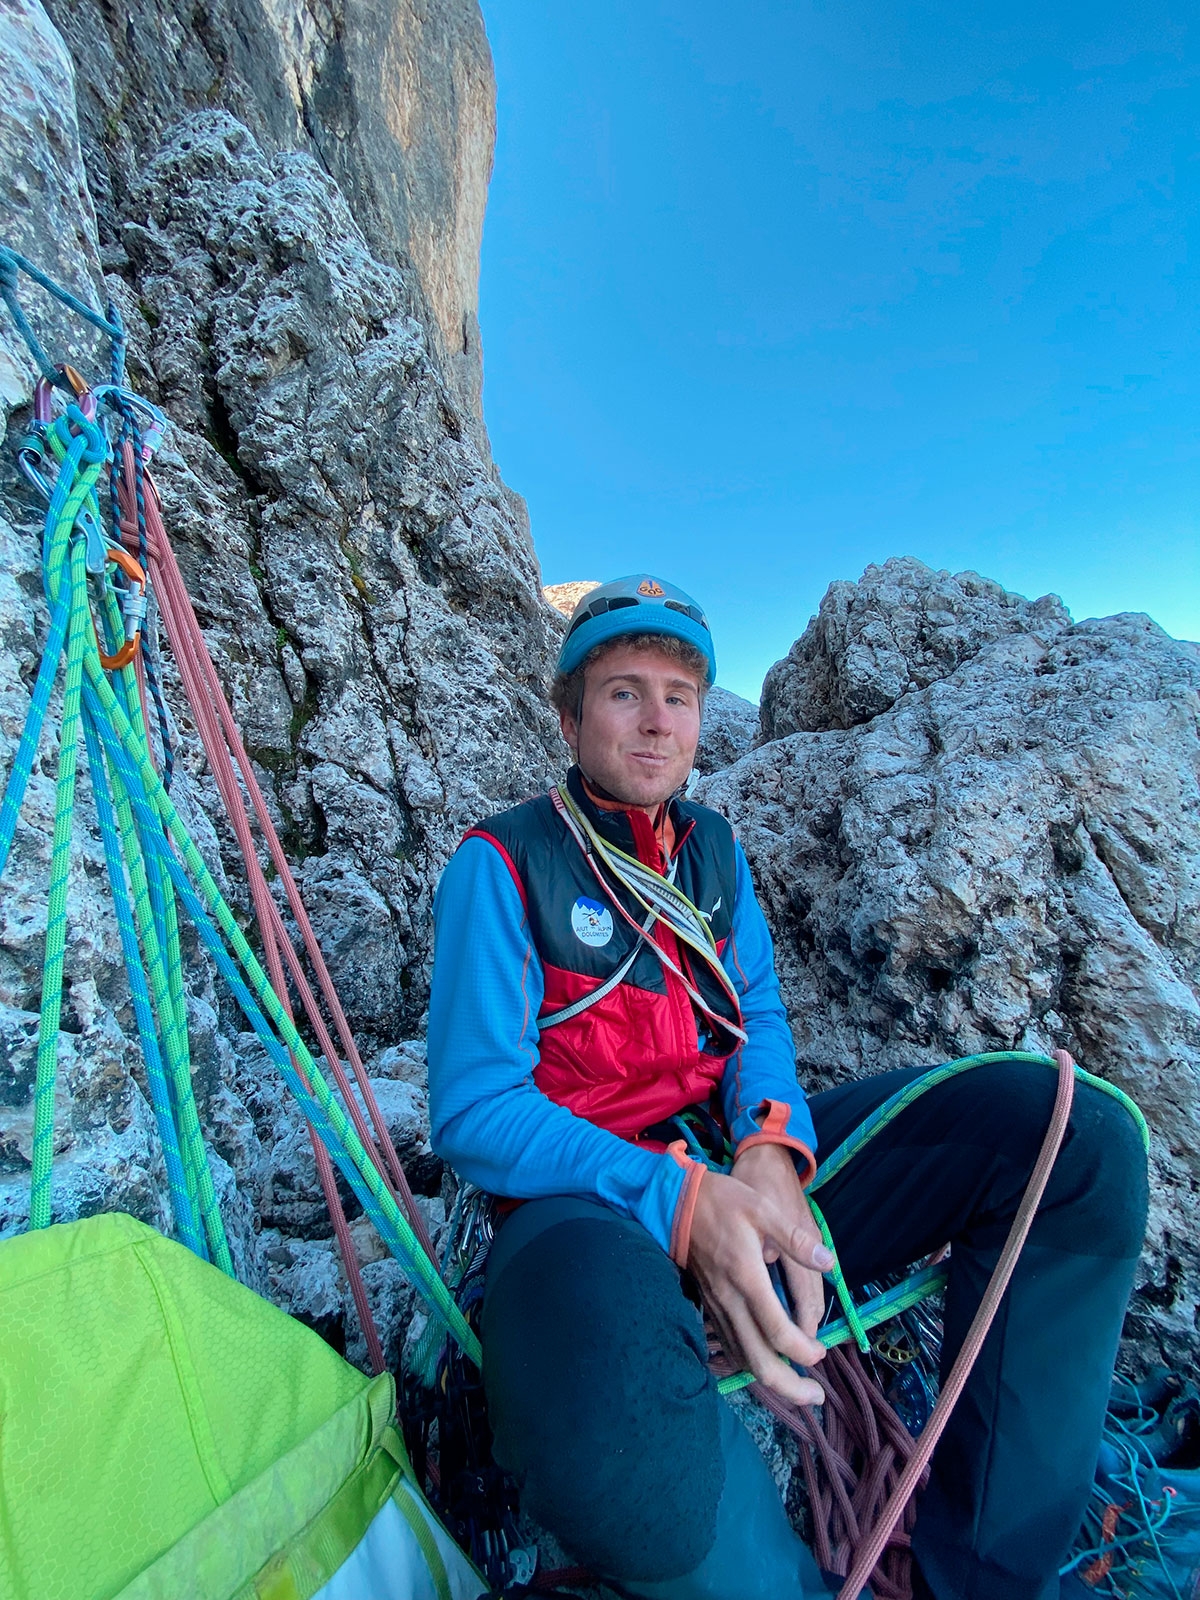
(566, 690)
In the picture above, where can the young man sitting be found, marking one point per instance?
(601, 966)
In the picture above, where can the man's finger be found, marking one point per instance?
(803, 1245)
(772, 1369)
(807, 1291)
(809, 1250)
(775, 1327)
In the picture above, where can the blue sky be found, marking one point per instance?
(776, 290)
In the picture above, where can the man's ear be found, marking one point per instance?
(569, 724)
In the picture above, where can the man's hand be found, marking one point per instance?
(741, 1223)
(771, 1172)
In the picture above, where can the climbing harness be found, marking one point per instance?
(153, 865)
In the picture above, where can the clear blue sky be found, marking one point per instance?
(777, 289)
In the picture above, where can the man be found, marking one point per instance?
(602, 966)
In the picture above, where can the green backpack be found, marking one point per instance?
(165, 1432)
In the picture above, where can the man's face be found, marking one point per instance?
(639, 727)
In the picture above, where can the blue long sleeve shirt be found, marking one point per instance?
(493, 1124)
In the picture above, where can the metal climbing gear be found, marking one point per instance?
(133, 609)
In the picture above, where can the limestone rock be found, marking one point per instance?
(44, 199)
(565, 597)
(367, 587)
(1005, 857)
(396, 103)
(901, 627)
(728, 730)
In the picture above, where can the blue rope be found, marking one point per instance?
(152, 831)
(11, 262)
(114, 326)
(31, 736)
(160, 1097)
(43, 688)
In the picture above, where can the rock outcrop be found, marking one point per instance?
(729, 728)
(900, 627)
(564, 597)
(366, 585)
(394, 103)
(987, 836)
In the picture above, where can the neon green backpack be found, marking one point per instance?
(164, 1432)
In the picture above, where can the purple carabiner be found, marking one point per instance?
(42, 390)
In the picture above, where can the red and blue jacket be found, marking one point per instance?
(522, 930)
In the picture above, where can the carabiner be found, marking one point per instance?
(83, 395)
(153, 421)
(133, 606)
(30, 456)
(43, 408)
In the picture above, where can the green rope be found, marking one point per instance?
(899, 1102)
(158, 930)
(399, 1235)
(856, 1322)
(882, 1308)
(840, 1286)
(50, 1019)
(162, 862)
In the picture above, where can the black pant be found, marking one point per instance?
(601, 1402)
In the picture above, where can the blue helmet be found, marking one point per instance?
(640, 604)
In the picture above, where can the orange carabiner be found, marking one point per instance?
(128, 650)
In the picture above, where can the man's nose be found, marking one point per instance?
(656, 715)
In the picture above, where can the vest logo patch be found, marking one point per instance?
(592, 922)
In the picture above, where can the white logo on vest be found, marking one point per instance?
(592, 922)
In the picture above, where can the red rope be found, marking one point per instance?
(862, 1468)
(869, 1552)
(237, 784)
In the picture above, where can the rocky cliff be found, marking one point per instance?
(285, 203)
(975, 826)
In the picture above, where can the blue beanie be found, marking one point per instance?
(640, 604)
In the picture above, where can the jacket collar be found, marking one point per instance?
(616, 823)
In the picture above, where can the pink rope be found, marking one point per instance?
(223, 747)
(869, 1552)
(861, 1465)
